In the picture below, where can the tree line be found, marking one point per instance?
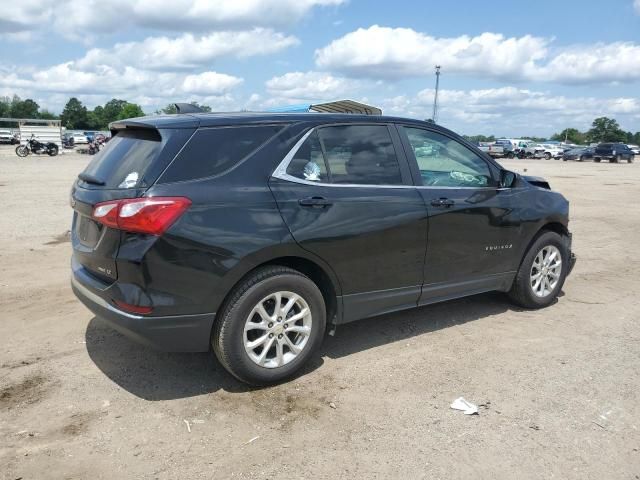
(603, 129)
(76, 116)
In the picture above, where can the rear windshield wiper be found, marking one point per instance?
(85, 177)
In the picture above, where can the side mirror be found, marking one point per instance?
(507, 179)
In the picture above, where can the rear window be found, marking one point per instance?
(212, 151)
(125, 158)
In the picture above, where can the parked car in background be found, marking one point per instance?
(297, 223)
(529, 149)
(549, 151)
(580, 154)
(493, 149)
(614, 152)
(635, 149)
(79, 138)
(7, 136)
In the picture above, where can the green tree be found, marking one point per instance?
(130, 110)
(112, 110)
(571, 135)
(23, 108)
(47, 115)
(75, 114)
(96, 118)
(604, 129)
(5, 106)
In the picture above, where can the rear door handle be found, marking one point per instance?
(442, 202)
(314, 202)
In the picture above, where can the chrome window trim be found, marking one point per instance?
(281, 173)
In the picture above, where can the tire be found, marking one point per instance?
(510, 155)
(616, 159)
(631, 158)
(522, 292)
(228, 338)
(22, 151)
(547, 156)
(582, 158)
(596, 159)
(53, 151)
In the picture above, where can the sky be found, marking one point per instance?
(509, 68)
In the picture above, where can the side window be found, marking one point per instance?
(308, 162)
(443, 162)
(211, 151)
(360, 154)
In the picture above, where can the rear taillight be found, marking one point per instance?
(152, 215)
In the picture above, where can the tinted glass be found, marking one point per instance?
(125, 158)
(360, 154)
(308, 162)
(444, 162)
(212, 151)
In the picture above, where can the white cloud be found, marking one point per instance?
(209, 83)
(394, 53)
(383, 52)
(313, 86)
(512, 111)
(79, 20)
(636, 5)
(188, 50)
(130, 83)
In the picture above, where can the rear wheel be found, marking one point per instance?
(541, 273)
(547, 156)
(616, 159)
(582, 158)
(270, 327)
(53, 150)
(597, 160)
(631, 158)
(22, 150)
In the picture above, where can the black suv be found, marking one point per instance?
(614, 152)
(253, 234)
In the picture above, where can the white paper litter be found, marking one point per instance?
(467, 407)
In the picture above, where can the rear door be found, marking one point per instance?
(130, 163)
(345, 193)
(472, 228)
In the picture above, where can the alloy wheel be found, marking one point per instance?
(277, 330)
(545, 271)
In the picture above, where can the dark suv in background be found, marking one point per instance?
(614, 152)
(251, 233)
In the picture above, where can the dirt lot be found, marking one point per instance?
(559, 388)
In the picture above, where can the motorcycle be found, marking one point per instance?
(34, 146)
(68, 141)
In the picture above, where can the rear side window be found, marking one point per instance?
(308, 162)
(360, 154)
(122, 163)
(212, 151)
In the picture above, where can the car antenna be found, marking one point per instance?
(187, 108)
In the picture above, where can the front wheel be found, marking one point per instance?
(582, 158)
(272, 324)
(510, 155)
(631, 158)
(541, 273)
(547, 156)
(22, 150)
(597, 160)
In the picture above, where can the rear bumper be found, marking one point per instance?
(176, 333)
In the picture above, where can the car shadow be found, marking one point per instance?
(154, 375)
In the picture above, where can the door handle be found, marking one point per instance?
(442, 202)
(314, 202)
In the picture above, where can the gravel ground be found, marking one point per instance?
(557, 388)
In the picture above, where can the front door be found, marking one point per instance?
(346, 196)
(472, 233)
